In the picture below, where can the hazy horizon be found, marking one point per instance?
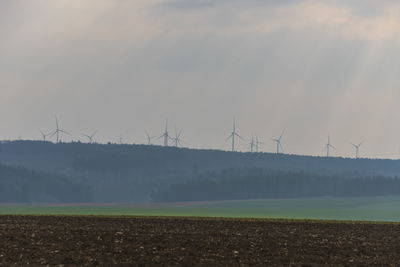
(123, 67)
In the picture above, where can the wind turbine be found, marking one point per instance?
(90, 137)
(258, 143)
(58, 131)
(233, 134)
(329, 145)
(278, 142)
(165, 135)
(44, 135)
(357, 147)
(252, 144)
(177, 139)
(149, 137)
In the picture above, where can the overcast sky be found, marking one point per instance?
(311, 67)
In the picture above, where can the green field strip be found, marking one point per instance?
(360, 209)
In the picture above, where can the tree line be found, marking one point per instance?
(21, 185)
(256, 183)
(141, 173)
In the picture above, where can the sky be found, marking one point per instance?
(125, 66)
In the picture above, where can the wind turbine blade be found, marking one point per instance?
(280, 145)
(239, 136)
(361, 143)
(52, 134)
(281, 134)
(95, 132)
(62, 131)
(229, 137)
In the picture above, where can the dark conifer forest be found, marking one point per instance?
(44, 172)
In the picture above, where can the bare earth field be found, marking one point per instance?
(74, 240)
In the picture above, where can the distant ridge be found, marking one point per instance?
(133, 173)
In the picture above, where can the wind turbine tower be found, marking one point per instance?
(328, 146)
(58, 131)
(278, 142)
(233, 134)
(258, 143)
(357, 147)
(149, 138)
(252, 144)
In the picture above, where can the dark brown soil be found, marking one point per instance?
(54, 240)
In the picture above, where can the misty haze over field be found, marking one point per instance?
(307, 66)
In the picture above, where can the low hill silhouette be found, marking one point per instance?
(135, 173)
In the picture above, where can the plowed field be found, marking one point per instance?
(55, 240)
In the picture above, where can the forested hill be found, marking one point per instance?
(21, 185)
(127, 173)
(76, 157)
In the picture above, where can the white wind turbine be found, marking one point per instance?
(258, 143)
(58, 131)
(328, 146)
(149, 138)
(44, 135)
(90, 137)
(165, 135)
(177, 139)
(357, 147)
(278, 142)
(233, 134)
(252, 144)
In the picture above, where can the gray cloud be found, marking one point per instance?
(195, 4)
(365, 8)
